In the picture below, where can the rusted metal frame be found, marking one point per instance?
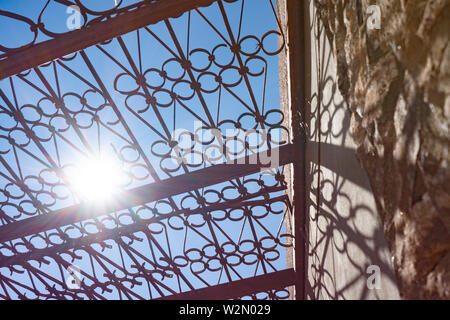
(216, 243)
(256, 110)
(3, 297)
(240, 20)
(249, 204)
(31, 135)
(78, 76)
(168, 257)
(144, 194)
(148, 277)
(156, 266)
(3, 217)
(282, 222)
(163, 124)
(65, 2)
(202, 208)
(5, 282)
(134, 77)
(189, 71)
(279, 228)
(235, 50)
(129, 109)
(213, 27)
(66, 140)
(225, 266)
(34, 139)
(202, 101)
(87, 291)
(12, 172)
(228, 89)
(6, 296)
(40, 255)
(35, 87)
(162, 43)
(43, 278)
(185, 107)
(98, 90)
(236, 289)
(66, 113)
(91, 294)
(258, 248)
(237, 203)
(40, 276)
(147, 93)
(18, 181)
(152, 243)
(112, 280)
(181, 57)
(294, 20)
(25, 126)
(155, 110)
(19, 117)
(96, 33)
(169, 260)
(108, 97)
(24, 150)
(240, 203)
(117, 284)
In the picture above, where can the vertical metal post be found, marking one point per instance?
(293, 100)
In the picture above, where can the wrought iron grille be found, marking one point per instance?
(188, 107)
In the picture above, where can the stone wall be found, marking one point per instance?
(396, 82)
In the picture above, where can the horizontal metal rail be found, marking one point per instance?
(150, 13)
(240, 288)
(107, 234)
(151, 192)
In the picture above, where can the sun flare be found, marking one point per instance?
(96, 180)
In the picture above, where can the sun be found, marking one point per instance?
(96, 179)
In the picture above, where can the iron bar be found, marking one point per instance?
(216, 230)
(149, 13)
(144, 194)
(295, 88)
(240, 288)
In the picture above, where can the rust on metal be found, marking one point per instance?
(94, 33)
(202, 220)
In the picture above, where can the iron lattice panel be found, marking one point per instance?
(127, 97)
(41, 28)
